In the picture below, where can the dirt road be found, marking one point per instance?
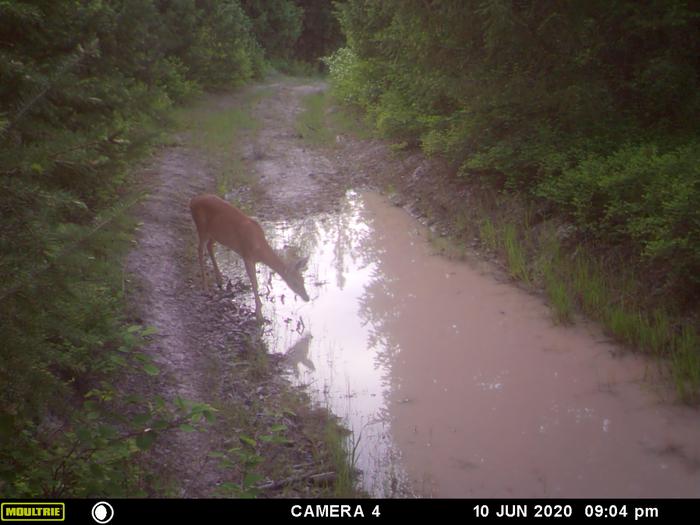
(204, 341)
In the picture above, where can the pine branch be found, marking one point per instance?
(70, 62)
(113, 213)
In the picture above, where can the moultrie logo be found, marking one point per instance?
(34, 511)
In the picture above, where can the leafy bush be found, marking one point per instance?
(276, 25)
(593, 106)
(352, 79)
(642, 196)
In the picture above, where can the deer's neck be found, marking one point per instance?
(269, 258)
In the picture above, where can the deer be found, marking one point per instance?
(219, 221)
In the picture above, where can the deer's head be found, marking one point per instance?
(293, 277)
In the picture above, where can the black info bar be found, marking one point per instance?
(122, 511)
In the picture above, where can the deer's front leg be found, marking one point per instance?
(200, 254)
(217, 273)
(250, 269)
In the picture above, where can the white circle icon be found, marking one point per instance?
(102, 512)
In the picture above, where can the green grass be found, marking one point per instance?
(589, 286)
(389, 189)
(547, 269)
(461, 222)
(448, 246)
(217, 131)
(623, 323)
(343, 454)
(656, 332)
(322, 120)
(613, 298)
(347, 120)
(515, 254)
(574, 278)
(259, 434)
(311, 122)
(559, 298)
(489, 235)
(293, 69)
(685, 364)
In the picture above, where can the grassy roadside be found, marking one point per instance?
(545, 257)
(217, 131)
(269, 427)
(311, 123)
(272, 432)
(321, 120)
(578, 277)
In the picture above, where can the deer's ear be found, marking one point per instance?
(301, 264)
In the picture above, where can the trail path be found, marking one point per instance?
(197, 332)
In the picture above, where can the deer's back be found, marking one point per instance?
(221, 221)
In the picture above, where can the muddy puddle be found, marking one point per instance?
(456, 384)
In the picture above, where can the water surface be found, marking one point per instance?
(456, 384)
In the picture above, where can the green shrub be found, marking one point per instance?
(642, 197)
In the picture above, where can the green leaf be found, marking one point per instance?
(160, 402)
(117, 359)
(251, 479)
(151, 369)
(83, 434)
(187, 428)
(7, 423)
(150, 330)
(107, 431)
(145, 440)
(248, 441)
(141, 419)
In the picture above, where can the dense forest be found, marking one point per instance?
(589, 108)
(85, 88)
